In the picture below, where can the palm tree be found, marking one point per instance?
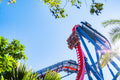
(20, 73)
(115, 37)
(52, 75)
(115, 32)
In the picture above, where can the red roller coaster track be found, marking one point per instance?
(80, 58)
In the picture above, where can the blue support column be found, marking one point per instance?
(88, 53)
(88, 72)
(110, 71)
(99, 66)
(114, 65)
(97, 76)
(118, 73)
(118, 57)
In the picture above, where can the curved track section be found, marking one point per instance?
(95, 36)
(73, 42)
(81, 63)
(68, 66)
(80, 55)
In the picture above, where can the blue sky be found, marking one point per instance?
(44, 37)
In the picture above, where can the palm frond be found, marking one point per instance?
(114, 34)
(111, 22)
(52, 75)
(116, 37)
(114, 31)
(20, 73)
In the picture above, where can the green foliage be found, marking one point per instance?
(107, 57)
(96, 8)
(115, 32)
(52, 75)
(59, 12)
(10, 53)
(111, 22)
(54, 6)
(20, 73)
(2, 78)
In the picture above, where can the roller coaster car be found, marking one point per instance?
(72, 62)
(86, 23)
(73, 40)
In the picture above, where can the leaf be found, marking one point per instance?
(100, 8)
(66, 14)
(79, 2)
(97, 5)
(72, 1)
(63, 15)
(92, 11)
(2, 78)
(14, 1)
(25, 57)
(52, 75)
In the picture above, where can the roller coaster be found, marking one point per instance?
(103, 53)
